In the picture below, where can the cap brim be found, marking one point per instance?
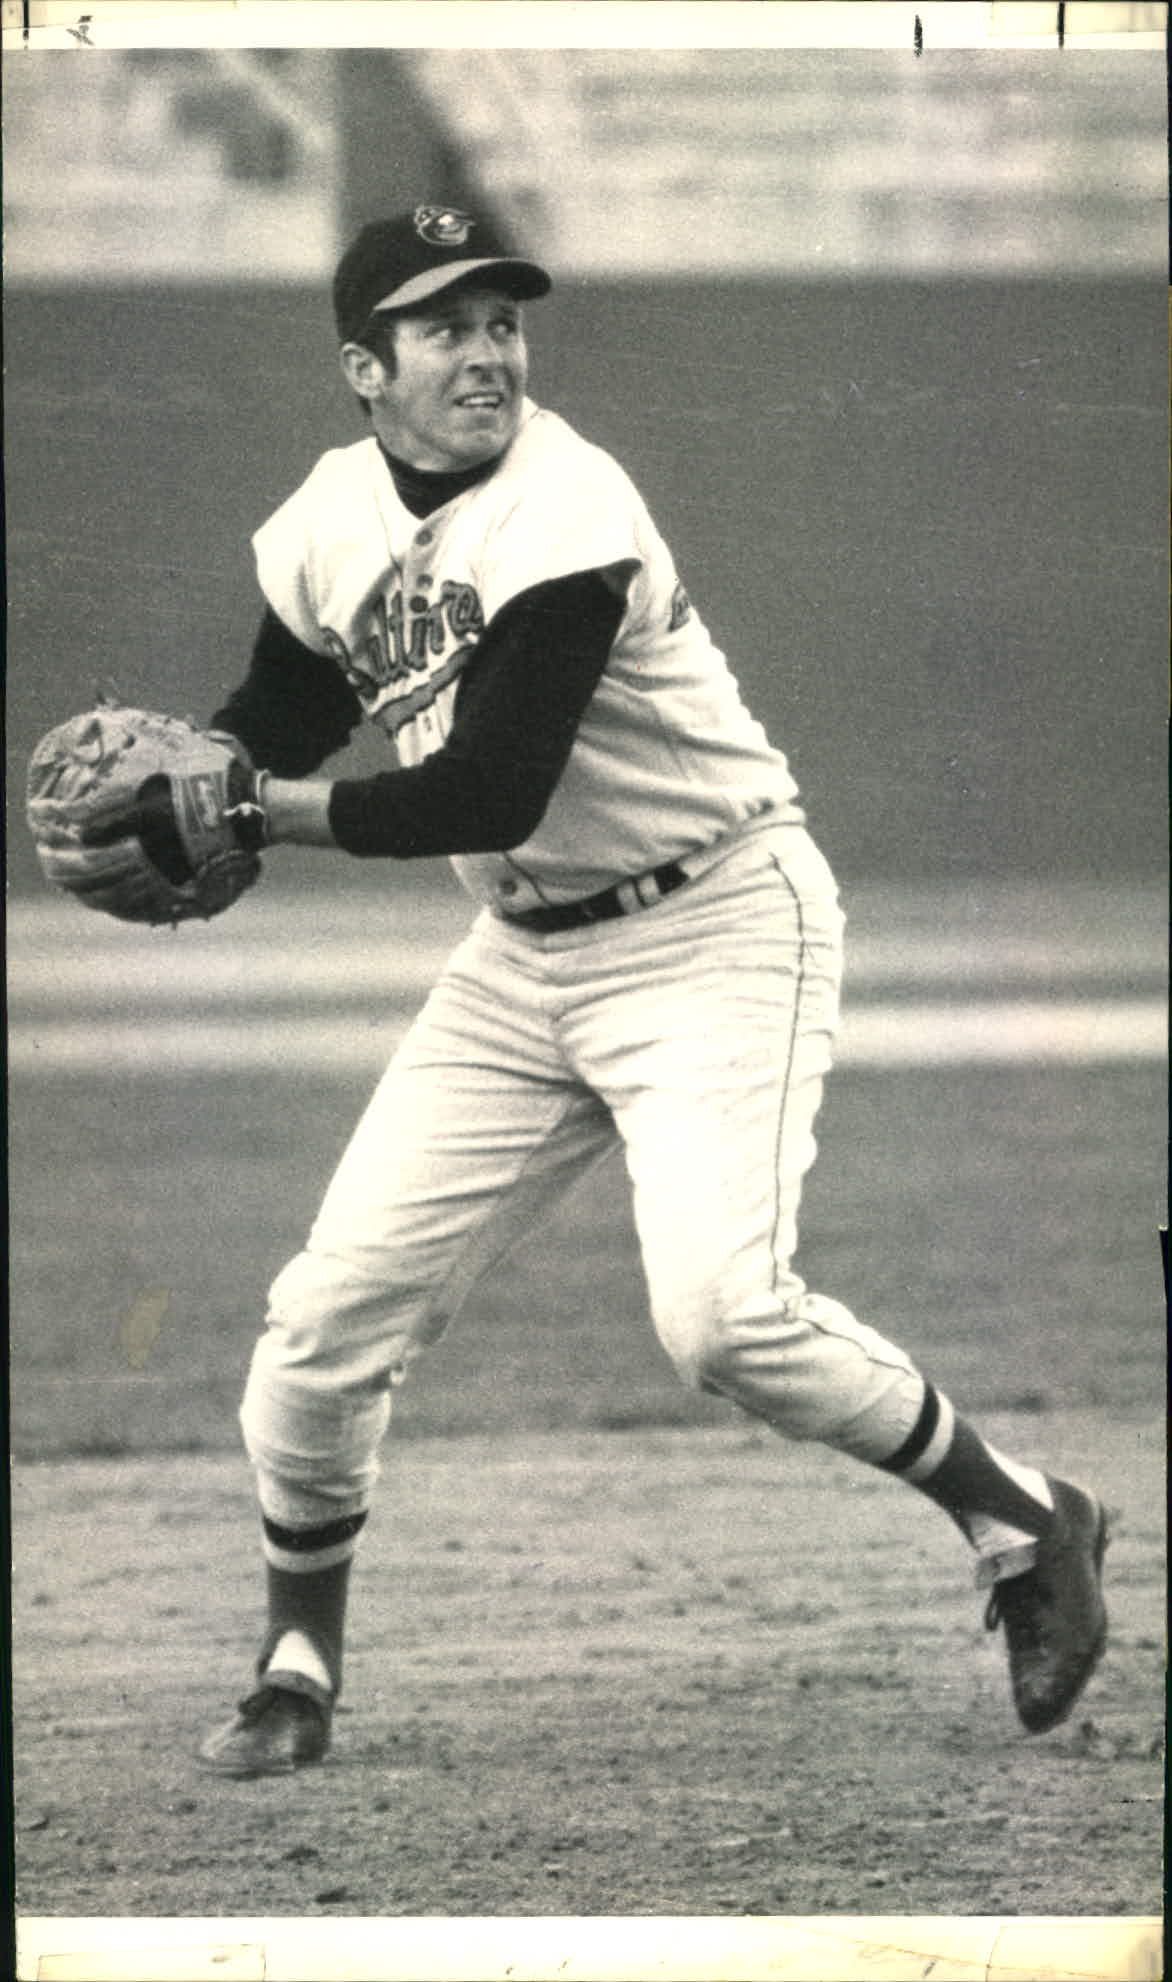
(522, 279)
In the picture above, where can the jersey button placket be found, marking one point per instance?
(416, 584)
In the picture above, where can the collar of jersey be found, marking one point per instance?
(424, 490)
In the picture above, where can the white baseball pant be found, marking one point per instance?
(695, 1032)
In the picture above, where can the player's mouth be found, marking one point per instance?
(481, 402)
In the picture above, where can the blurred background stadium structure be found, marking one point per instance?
(201, 164)
(883, 340)
(208, 164)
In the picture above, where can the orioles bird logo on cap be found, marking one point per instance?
(443, 226)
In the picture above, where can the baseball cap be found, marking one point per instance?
(393, 264)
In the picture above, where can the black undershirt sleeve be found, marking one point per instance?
(517, 711)
(294, 708)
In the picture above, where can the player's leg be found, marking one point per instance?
(474, 1130)
(712, 1057)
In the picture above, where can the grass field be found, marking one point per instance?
(999, 1215)
(1002, 1223)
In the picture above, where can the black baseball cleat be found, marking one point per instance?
(1053, 1612)
(273, 1732)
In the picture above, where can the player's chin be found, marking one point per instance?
(481, 432)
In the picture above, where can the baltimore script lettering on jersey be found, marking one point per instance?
(408, 639)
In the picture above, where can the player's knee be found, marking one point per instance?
(704, 1351)
(715, 1334)
(717, 1363)
(312, 1450)
(757, 1369)
(804, 1363)
(754, 1350)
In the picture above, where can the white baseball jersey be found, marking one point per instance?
(666, 760)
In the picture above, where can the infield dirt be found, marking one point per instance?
(650, 1672)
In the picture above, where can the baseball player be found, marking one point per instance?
(655, 964)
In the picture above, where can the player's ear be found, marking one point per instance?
(363, 370)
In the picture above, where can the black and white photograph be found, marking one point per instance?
(587, 989)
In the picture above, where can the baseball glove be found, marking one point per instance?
(143, 816)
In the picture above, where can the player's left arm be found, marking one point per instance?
(520, 702)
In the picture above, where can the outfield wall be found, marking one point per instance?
(928, 523)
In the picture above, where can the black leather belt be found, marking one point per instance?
(625, 898)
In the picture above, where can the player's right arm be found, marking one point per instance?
(294, 707)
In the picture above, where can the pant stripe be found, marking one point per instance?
(789, 1066)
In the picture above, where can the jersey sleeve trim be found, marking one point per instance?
(573, 508)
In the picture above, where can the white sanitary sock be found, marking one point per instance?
(296, 1653)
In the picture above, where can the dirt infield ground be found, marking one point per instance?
(651, 1672)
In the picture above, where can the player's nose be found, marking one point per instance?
(481, 351)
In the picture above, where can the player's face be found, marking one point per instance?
(456, 396)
